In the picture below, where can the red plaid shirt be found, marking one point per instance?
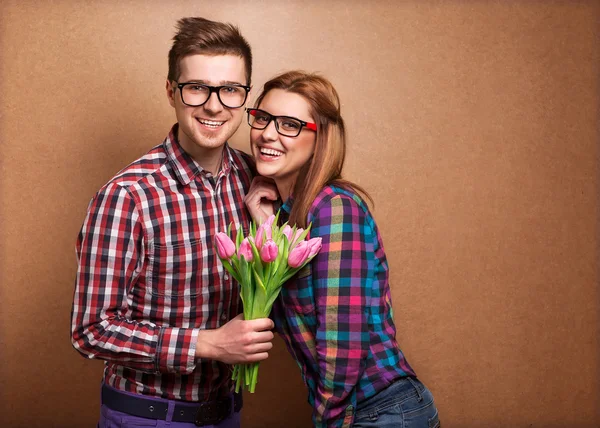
(148, 276)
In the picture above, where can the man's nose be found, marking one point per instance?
(213, 104)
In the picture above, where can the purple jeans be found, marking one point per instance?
(113, 419)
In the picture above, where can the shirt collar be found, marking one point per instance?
(185, 167)
(287, 205)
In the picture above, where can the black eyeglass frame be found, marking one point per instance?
(308, 125)
(212, 89)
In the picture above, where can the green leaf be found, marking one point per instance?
(303, 235)
(256, 262)
(244, 286)
(231, 270)
(239, 236)
(260, 298)
(272, 297)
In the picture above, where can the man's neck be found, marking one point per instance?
(208, 158)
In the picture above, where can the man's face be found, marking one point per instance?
(209, 126)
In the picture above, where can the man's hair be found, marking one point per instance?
(326, 164)
(205, 37)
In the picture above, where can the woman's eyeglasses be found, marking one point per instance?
(285, 125)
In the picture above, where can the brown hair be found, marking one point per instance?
(326, 164)
(201, 36)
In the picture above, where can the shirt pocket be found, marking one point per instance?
(175, 269)
(297, 293)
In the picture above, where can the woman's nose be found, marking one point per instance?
(270, 132)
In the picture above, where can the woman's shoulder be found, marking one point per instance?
(335, 195)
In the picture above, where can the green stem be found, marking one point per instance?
(254, 377)
(237, 369)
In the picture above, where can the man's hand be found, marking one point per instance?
(238, 341)
(260, 197)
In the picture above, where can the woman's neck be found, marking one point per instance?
(284, 187)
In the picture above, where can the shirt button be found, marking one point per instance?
(226, 277)
(223, 317)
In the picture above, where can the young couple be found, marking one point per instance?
(153, 300)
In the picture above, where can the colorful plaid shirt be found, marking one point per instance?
(148, 275)
(336, 314)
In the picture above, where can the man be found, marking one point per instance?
(151, 297)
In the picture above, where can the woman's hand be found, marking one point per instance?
(260, 197)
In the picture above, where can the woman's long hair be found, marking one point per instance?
(326, 164)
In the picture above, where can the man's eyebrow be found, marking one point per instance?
(230, 82)
(221, 83)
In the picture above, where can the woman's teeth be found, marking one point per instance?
(270, 152)
(210, 123)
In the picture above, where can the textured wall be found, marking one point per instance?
(474, 125)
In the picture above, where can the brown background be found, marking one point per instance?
(474, 125)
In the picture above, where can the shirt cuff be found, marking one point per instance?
(176, 352)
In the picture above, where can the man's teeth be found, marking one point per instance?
(211, 123)
(270, 152)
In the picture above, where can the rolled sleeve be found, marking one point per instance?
(177, 350)
(110, 254)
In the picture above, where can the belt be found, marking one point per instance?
(200, 414)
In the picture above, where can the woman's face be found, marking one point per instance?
(277, 156)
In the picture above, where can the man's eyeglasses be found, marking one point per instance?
(196, 94)
(285, 125)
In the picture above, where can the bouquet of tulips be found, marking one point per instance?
(261, 263)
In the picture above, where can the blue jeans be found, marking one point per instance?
(406, 403)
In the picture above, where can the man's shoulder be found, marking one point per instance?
(243, 161)
(139, 169)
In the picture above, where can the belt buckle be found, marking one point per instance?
(209, 414)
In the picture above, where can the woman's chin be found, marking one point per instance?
(265, 172)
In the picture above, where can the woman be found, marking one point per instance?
(335, 315)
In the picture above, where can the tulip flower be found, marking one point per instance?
(269, 251)
(270, 220)
(299, 232)
(263, 233)
(260, 234)
(225, 246)
(314, 246)
(245, 250)
(287, 231)
(299, 254)
(262, 265)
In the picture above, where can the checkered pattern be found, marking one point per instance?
(336, 315)
(148, 276)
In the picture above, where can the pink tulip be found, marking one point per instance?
(314, 246)
(299, 232)
(225, 246)
(299, 254)
(260, 234)
(287, 231)
(263, 233)
(269, 250)
(270, 220)
(246, 250)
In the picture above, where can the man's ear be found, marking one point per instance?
(250, 94)
(170, 93)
